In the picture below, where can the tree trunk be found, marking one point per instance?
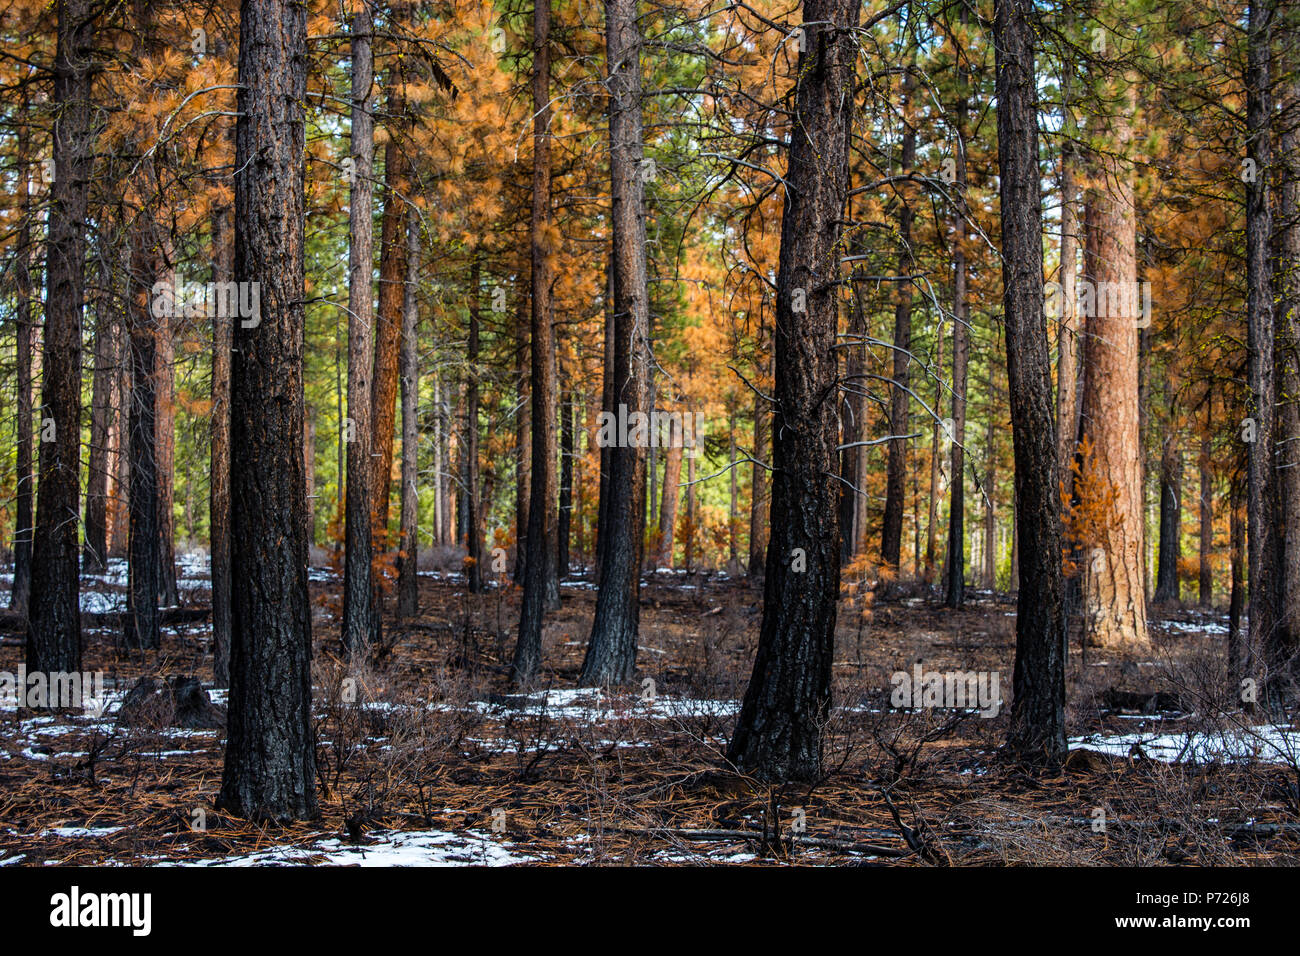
(541, 586)
(1206, 593)
(388, 329)
(1263, 646)
(1171, 522)
(270, 767)
(54, 613)
(611, 651)
(1115, 598)
(759, 502)
(606, 405)
(1237, 597)
(144, 563)
(955, 562)
(891, 541)
(852, 419)
(223, 332)
(1287, 356)
(408, 597)
(1037, 734)
(778, 735)
(565, 520)
(165, 451)
(95, 551)
(474, 529)
(669, 497)
(523, 429)
(24, 346)
(990, 556)
(1067, 363)
(360, 616)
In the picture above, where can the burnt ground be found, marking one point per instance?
(425, 757)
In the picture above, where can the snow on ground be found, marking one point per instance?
(590, 705)
(390, 848)
(1267, 743)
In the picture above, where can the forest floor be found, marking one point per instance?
(424, 757)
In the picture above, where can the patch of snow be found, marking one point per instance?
(391, 848)
(1267, 743)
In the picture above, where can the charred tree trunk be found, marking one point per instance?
(670, 495)
(408, 598)
(1287, 349)
(523, 429)
(54, 613)
(891, 540)
(95, 551)
(144, 562)
(1037, 734)
(270, 766)
(759, 499)
(1171, 522)
(1206, 544)
(1262, 645)
(223, 333)
(611, 651)
(24, 346)
(565, 521)
(852, 419)
(778, 735)
(165, 451)
(473, 516)
(360, 616)
(541, 586)
(606, 405)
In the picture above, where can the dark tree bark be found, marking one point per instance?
(852, 418)
(94, 554)
(473, 516)
(760, 496)
(669, 496)
(54, 614)
(408, 598)
(1237, 596)
(611, 651)
(270, 767)
(565, 526)
(1206, 544)
(1287, 355)
(1171, 522)
(606, 405)
(164, 381)
(1037, 734)
(223, 253)
(1261, 642)
(19, 596)
(955, 562)
(360, 616)
(778, 735)
(891, 539)
(540, 586)
(523, 428)
(144, 559)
